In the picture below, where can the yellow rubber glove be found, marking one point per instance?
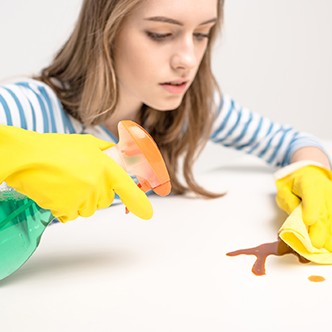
(311, 185)
(68, 174)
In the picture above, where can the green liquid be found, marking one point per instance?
(22, 223)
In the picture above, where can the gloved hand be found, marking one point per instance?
(68, 174)
(311, 185)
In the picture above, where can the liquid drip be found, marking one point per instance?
(278, 248)
(316, 278)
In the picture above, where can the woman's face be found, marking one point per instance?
(159, 49)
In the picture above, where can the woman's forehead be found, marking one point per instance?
(181, 10)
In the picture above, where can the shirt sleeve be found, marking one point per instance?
(240, 128)
(32, 105)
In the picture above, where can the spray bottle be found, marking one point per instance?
(23, 222)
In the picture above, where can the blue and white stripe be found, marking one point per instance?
(244, 130)
(32, 105)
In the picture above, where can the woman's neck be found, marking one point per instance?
(120, 114)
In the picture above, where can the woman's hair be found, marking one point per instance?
(82, 75)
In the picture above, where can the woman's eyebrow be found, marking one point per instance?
(172, 21)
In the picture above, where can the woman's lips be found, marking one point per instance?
(175, 88)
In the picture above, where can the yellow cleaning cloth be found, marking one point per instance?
(295, 234)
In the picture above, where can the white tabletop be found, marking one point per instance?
(114, 272)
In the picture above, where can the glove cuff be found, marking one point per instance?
(282, 172)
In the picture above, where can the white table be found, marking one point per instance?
(114, 272)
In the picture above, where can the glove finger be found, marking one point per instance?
(102, 144)
(318, 234)
(328, 243)
(131, 195)
(135, 200)
(63, 219)
(84, 212)
(66, 218)
(286, 200)
(89, 208)
(313, 206)
(105, 200)
(89, 205)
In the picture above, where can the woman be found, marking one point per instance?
(148, 61)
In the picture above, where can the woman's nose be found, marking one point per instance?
(184, 56)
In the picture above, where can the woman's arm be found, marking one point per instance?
(311, 153)
(240, 128)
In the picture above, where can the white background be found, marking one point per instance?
(274, 56)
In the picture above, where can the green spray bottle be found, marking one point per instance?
(23, 222)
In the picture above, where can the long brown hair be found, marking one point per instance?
(88, 89)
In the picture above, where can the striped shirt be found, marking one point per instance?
(241, 129)
(33, 105)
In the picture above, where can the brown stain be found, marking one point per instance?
(277, 248)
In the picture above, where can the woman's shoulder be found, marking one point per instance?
(28, 90)
(31, 104)
(25, 85)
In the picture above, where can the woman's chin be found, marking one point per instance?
(169, 106)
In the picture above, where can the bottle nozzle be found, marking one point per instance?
(139, 155)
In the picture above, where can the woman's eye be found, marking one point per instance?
(201, 36)
(158, 36)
